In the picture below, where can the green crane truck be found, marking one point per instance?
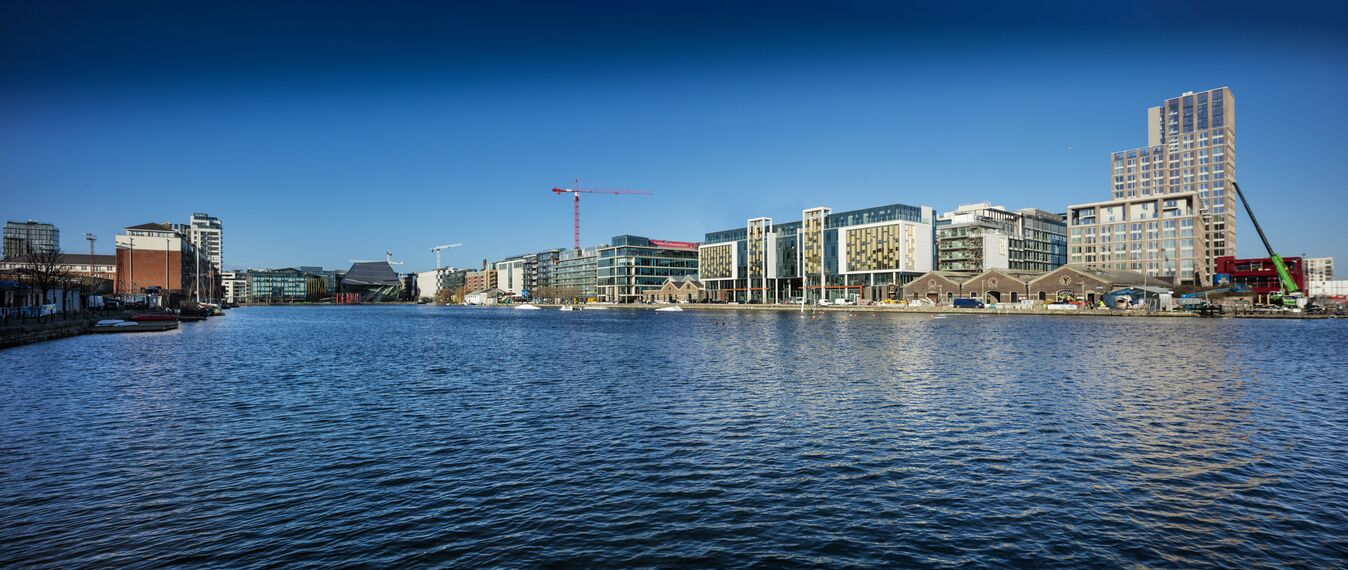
(1288, 295)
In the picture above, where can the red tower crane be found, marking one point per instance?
(577, 191)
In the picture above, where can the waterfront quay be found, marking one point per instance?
(430, 436)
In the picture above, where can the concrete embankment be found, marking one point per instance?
(16, 333)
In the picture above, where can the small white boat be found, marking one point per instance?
(673, 309)
(526, 307)
(596, 308)
(569, 308)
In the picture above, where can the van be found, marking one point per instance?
(965, 303)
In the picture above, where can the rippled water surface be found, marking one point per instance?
(413, 436)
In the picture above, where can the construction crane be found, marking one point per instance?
(437, 249)
(577, 191)
(1289, 294)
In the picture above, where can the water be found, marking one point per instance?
(413, 436)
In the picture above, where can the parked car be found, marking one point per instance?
(823, 302)
(966, 303)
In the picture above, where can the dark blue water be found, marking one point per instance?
(431, 436)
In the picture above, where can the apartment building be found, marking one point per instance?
(1157, 236)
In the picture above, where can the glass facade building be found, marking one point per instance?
(25, 238)
(864, 253)
(634, 265)
(282, 286)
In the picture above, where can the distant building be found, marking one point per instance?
(864, 253)
(1319, 269)
(1259, 276)
(153, 255)
(430, 283)
(685, 289)
(287, 285)
(576, 275)
(373, 281)
(236, 286)
(1160, 236)
(104, 266)
(510, 276)
(24, 238)
(1191, 147)
(634, 265)
(978, 237)
(207, 234)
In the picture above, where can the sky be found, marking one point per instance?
(324, 132)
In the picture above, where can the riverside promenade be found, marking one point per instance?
(954, 311)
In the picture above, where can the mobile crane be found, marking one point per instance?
(1288, 295)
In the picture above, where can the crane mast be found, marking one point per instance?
(575, 201)
(1288, 285)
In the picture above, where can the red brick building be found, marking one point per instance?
(154, 255)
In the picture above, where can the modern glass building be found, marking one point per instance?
(867, 254)
(26, 238)
(575, 275)
(979, 237)
(282, 285)
(634, 265)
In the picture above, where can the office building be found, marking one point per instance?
(26, 238)
(979, 237)
(1191, 147)
(634, 265)
(1319, 268)
(1158, 236)
(864, 253)
(576, 276)
(287, 285)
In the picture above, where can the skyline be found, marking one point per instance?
(311, 155)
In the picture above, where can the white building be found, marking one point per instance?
(207, 234)
(510, 276)
(1319, 268)
(236, 286)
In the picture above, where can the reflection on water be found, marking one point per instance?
(394, 436)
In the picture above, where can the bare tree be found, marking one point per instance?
(47, 271)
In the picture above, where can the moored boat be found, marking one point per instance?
(124, 326)
(526, 307)
(673, 309)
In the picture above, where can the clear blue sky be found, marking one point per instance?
(322, 132)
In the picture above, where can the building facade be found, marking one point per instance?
(97, 265)
(510, 276)
(288, 285)
(1191, 147)
(236, 286)
(864, 253)
(207, 234)
(576, 275)
(978, 237)
(26, 238)
(634, 265)
(153, 255)
(1160, 236)
(1319, 269)
(1259, 276)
